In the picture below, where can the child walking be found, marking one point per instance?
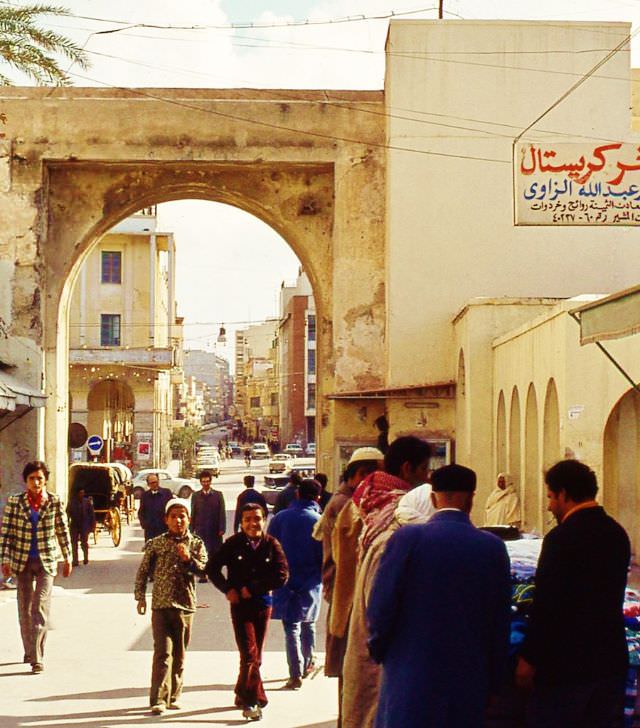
(173, 559)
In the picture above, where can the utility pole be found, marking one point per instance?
(440, 9)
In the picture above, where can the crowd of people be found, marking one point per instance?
(419, 599)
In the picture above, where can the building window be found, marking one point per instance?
(274, 399)
(311, 396)
(111, 266)
(254, 402)
(311, 361)
(311, 327)
(110, 329)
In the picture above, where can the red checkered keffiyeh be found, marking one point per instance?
(376, 499)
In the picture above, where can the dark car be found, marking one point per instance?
(274, 483)
(236, 450)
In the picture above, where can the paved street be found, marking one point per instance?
(98, 655)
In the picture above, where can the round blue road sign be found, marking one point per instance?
(95, 444)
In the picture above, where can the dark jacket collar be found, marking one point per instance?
(450, 515)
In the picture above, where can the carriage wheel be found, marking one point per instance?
(115, 526)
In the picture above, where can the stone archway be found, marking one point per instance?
(515, 443)
(110, 413)
(532, 505)
(621, 465)
(123, 189)
(309, 164)
(501, 435)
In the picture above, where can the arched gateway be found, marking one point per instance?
(74, 162)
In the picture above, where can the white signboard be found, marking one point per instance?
(577, 184)
(575, 411)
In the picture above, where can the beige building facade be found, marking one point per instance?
(256, 382)
(400, 207)
(122, 343)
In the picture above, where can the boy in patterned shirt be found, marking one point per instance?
(174, 559)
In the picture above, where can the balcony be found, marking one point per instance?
(155, 358)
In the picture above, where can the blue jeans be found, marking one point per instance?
(300, 641)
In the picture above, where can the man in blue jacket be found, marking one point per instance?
(297, 603)
(438, 614)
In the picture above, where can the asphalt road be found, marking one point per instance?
(98, 654)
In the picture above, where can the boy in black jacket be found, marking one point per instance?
(255, 564)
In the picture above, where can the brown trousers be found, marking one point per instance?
(34, 586)
(250, 623)
(171, 629)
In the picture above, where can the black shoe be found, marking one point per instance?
(85, 561)
(37, 667)
(75, 563)
(293, 683)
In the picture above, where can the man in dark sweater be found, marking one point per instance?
(575, 654)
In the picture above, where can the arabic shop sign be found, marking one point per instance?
(577, 184)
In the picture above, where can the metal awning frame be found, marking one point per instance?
(435, 390)
(574, 315)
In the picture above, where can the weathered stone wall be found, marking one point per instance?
(310, 164)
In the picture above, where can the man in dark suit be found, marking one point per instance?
(208, 514)
(151, 511)
(248, 495)
(438, 614)
(575, 654)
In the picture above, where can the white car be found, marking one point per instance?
(280, 462)
(311, 449)
(259, 450)
(208, 459)
(182, 487)
(293, 448)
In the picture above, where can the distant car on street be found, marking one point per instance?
(182, 487)
(280, 462)
(208, 459)
(259, 450)
(236, 450)
(294, 448)
(311, 449)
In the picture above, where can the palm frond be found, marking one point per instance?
(33, 50)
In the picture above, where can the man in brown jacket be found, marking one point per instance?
(363, 461)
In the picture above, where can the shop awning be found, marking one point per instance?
(611, 317)
(15, 395)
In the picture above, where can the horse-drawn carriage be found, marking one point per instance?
(109, 486)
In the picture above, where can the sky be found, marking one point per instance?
(231, 265)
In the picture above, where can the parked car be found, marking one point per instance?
(294, 448)
(311, 449)
(273, 484)
(182, 487)
(259, 450)
(280, 462)
(208, 459)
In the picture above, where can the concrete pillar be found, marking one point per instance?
(152, 288)
(172, 289)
